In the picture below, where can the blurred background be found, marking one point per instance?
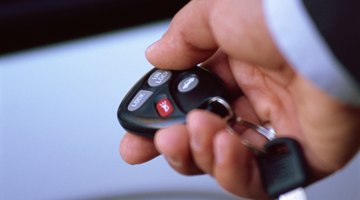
(64, 67)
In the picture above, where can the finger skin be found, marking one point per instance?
(136, 149)
(202, 127)
(173, 143)
(181, 46)
(235, 167)
(203, 26)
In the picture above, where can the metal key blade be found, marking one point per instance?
(297, 194)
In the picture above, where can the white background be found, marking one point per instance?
(59, 134)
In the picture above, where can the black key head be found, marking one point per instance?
(282, 167)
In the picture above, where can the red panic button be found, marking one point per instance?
(164, 107)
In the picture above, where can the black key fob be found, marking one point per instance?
(163, 98)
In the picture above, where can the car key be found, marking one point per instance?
(281, 162)
(282, 166)
(163, 98)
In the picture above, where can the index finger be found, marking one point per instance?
(135, 149)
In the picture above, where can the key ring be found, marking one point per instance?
(232, 120)
(268, 133)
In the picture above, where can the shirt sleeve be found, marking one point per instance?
(305, 48)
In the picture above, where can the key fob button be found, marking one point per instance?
(164, 107)
(188, 83)
(139, 99)
(159, 77)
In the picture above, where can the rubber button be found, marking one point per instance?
(188, 83)
(159, 77)
(164, 107)
(139, 99)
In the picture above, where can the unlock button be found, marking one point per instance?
(159, 77)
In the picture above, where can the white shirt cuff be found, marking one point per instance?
(304, 48)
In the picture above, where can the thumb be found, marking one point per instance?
(237, 27)
(187, 42)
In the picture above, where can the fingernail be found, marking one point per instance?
(219, 157)
(219, 146)
(174, 161)
(195, 144)
(152, 46)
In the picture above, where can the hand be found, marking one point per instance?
(230, 38)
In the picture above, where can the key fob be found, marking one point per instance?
(163, 97)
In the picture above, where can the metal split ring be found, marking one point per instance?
(232, 120)
(268, 133)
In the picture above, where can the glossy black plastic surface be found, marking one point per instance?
(185, 90)
(283, 167)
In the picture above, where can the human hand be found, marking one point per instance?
(230, 38)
